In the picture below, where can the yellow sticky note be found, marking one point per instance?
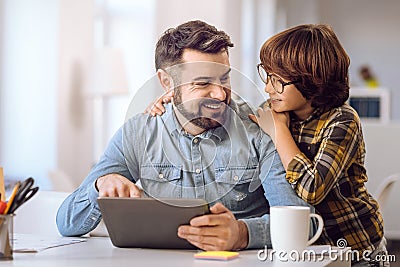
(216, 255)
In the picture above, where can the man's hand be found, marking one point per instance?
(115, 185)
(216, 231)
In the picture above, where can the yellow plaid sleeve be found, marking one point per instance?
(337, 145)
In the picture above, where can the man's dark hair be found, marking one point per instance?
(196, 35)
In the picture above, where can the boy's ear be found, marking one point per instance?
(165, 80)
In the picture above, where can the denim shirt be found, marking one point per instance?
(235, 164)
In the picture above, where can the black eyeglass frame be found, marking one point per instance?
(260, 65)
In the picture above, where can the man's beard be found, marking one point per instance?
(198, 118)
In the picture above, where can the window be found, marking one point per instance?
(128, 26)
(371, 104)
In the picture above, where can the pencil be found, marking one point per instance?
(2, 189)
(10, 201)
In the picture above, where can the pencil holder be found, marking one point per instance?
(6, 237)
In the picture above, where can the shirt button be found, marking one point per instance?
(236, 178)
(161, 176)
(198, 171)
(240, 196)
(195, 140)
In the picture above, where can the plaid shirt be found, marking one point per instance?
(329, 173)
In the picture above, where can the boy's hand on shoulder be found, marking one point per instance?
(157, 107)
(268, 120)
(265, 120)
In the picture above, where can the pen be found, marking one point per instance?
(10, 201)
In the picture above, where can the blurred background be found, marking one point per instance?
(48, 92)
(55, 120)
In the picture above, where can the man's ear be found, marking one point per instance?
(165, 80)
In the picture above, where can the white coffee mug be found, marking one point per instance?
(290, 228)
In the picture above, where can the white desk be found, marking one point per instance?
(99, 252)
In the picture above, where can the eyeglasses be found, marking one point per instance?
(276, 82)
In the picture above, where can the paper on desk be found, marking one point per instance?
(29, 243)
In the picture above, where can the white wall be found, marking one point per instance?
(28, 88)
(74, 112)
(2, 21)
(293, 12)
(222, 14)
(382, 160)
(131, 30)
(369, 31)
(45, 120)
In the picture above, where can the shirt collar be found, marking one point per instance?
(315, 114)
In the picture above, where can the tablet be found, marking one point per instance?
(148, 222)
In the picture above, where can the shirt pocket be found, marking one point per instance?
(233, 187)
(161, 180)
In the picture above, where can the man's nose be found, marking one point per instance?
(218, 92)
